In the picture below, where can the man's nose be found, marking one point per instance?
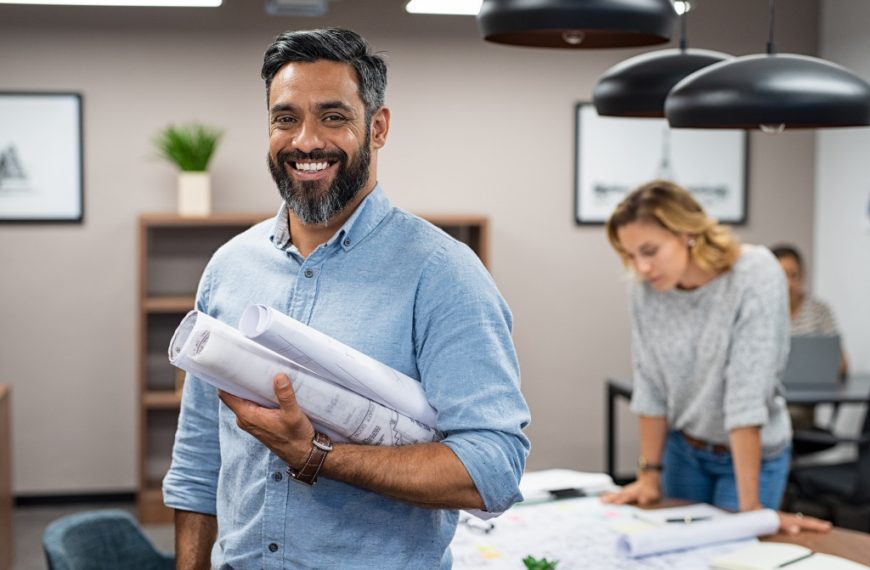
(309, 137)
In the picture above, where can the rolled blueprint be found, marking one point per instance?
(679, 536)
(220, 355)
(331, 359)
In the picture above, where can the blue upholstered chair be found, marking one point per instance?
(101, 540)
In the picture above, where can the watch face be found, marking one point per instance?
(322, 441)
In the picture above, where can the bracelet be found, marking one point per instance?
(644, 466)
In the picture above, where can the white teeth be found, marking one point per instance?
(311, 166)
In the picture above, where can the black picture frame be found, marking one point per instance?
(614, 155)
(41, 157)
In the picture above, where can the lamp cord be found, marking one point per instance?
(684, 43)
(771, 48)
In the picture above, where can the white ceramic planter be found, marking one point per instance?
(194, 194)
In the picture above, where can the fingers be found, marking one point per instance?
(234, 403)
(284, 391)
(795, 523)
(624, 497)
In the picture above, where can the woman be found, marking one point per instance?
(710, 340)
(809, 316)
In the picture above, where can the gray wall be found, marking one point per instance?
(842, 213)
(476, 128)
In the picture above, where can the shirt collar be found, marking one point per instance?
(371, 211)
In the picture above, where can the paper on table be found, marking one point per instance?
(538, 485)
(222, 356)
(672, 537)
(336, 361)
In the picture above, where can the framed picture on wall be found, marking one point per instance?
(615, 155)
(41, 162)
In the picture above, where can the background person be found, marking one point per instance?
(342, 259)
(809, 316)
(709, 341)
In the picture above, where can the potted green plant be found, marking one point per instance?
(190, 147)
(533, 563)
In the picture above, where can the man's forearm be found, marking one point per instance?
(195, 534)
(427, 475)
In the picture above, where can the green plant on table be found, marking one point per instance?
(189, 147)
(533, 563)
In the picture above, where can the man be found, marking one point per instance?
(340, 258)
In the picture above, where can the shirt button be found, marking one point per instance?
(309, 273)
(277, 476)
(347, 242)
(273, 547)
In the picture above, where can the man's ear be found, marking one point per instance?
(380, 127)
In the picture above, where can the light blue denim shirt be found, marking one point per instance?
(402, 291)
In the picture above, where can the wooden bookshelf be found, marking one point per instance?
(6, 504)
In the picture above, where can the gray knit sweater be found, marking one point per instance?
(711, 359)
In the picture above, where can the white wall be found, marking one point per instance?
(476, 128)
(841, 274)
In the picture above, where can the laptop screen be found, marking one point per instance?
(813, 361)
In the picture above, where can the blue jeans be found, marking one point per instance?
(707, 476)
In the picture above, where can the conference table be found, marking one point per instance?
(855, 390)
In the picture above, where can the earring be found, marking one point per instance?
(691, 242)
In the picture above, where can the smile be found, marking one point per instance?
(310, 166)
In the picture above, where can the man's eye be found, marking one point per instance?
(333, 118)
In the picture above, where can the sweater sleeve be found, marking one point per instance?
(648, 395)
(759, 346)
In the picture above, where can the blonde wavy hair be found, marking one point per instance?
(673, 208)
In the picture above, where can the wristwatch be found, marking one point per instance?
(643, 465)
(320, 446)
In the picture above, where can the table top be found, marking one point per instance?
(855, 389)
(839, 541)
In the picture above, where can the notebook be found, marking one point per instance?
(813, 362)
(775, 555)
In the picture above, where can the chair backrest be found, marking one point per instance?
(101, 540)
(862, 485)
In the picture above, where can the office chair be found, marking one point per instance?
(841, 489)
(101, 540)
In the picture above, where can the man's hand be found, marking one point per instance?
(427, 475)
(286, 431)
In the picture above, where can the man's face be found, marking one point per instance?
(319, 140)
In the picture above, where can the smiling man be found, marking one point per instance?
(342, 259)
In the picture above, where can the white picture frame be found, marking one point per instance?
(615, 155)
(41, 157)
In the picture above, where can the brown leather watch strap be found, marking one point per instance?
(320, 446)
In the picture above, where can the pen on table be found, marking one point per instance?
(687, 519)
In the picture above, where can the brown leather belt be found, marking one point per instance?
(705, 445)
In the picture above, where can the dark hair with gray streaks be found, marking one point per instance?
(332, 44)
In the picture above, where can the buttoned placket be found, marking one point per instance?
(278, 485)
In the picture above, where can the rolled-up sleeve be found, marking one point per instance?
(469, 370)
(647, 397)
(759, 347)
(191, 483)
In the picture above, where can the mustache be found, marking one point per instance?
(317, 154)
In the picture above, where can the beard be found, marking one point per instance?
(309, 202)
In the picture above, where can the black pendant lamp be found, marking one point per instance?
(770, 92)
(637, 87)
(577, 24)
